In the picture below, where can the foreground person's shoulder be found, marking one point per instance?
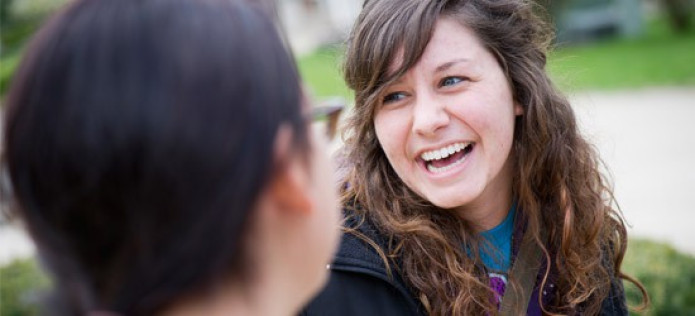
(358, 294)
(360, 283)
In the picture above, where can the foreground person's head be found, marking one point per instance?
(160, 156)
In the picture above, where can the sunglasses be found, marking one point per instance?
(326, 117)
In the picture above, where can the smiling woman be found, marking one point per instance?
(470, 189)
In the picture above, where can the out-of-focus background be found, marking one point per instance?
(628, 66)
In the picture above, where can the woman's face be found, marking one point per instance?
(447, 125)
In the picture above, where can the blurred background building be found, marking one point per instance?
(311, 24)
(585, 20)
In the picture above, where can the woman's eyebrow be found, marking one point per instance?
(448, 64)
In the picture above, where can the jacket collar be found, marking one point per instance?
(358, 256)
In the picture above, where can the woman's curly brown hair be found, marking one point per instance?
(557, 181)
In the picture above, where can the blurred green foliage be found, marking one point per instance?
(7, 66)
(17, 28)
(21, 285)
(668, 275)
(5, 6)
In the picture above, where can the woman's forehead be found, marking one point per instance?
(450, 42)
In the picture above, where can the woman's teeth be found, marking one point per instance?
(443, 152)
(436, 160)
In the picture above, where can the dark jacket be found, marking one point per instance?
(360, 285)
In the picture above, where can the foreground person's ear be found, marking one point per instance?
(518, 109)
(290, 181)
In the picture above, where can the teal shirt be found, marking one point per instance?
(496, 250)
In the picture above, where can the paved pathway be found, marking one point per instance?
(647, 139)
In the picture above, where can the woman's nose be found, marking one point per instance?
(429, 115)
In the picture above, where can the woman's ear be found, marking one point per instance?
(290, 183)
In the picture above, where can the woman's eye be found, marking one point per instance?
(393, 97)
(450, 81)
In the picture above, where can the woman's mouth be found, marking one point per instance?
(444, 159)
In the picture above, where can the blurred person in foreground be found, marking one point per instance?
(470, 190)
(161, 156)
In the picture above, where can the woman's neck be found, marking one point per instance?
(493, 204)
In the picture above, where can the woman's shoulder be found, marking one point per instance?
(362, 243)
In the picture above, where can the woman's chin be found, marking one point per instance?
(447, 204)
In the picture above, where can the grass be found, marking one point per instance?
(658, 58)
(321, 70)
